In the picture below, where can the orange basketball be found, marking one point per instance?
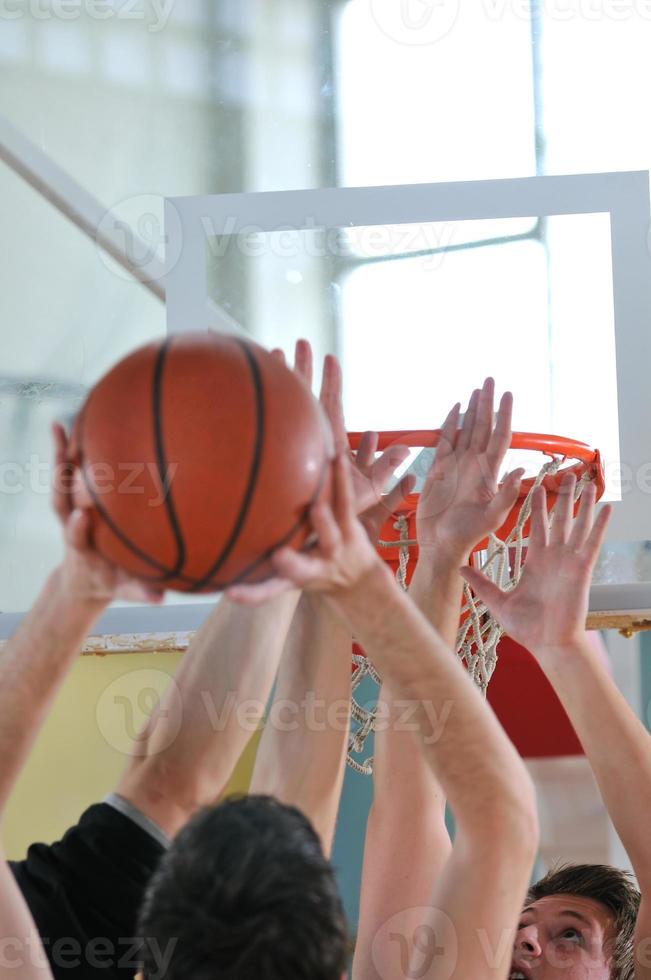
(202, 455)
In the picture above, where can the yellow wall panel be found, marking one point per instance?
(82, 748)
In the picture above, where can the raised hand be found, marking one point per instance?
(86, 574)
(461, 502)
(370, 475)
(548, 607)
(343, 555)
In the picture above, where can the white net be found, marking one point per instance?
(479, 633)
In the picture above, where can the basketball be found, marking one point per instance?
(202, 455)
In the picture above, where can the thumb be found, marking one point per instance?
(77, 531)
(487, 591)
(506, 496)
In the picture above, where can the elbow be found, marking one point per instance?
(507, 825)
(516, 829)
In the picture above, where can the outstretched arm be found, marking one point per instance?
(477, 899)
(189, 747)
(33, 665)
(459, 505)
(41, 651)
(302, 753)
(216, 701)
(303, 748)
(23, 957)
(546, 612)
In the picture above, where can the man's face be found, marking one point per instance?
(563, 937)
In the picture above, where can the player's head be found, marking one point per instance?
(244, 891)
(578, 923)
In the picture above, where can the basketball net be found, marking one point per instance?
(479, 633)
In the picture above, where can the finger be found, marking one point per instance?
(449, 431)
(500, 438)
(392, 500)
(483, 426)
(330, 398)
(77, 530)
(278, 355)
(585, 517)
(153, 596)
(303, 361)
(365, 455)
(562, 519)
(539, 528)
(505, 498)
(255, 595)
(374, 517)
(62, 475)
(80, 495)
(344, 509)
(463, 438)
(386, 465)
(487, 591)
(597, 535)
(135, 591)
(300, 569)
(326, 528)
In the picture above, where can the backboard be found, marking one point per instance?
(423, 290)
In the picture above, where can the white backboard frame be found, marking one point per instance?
(624, 196)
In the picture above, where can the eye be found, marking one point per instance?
(571, 935)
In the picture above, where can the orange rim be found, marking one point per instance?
(586, 460)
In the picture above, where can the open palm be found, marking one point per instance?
(461, 502)
(549, 605)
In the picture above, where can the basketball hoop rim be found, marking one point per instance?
(588, 460)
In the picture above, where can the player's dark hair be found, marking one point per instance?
(612, 888)
(245, 891)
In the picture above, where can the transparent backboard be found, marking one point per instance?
(423, 290)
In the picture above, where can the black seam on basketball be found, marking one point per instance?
(161, 461)
(256, 381)
(108, 520)
(239, 579)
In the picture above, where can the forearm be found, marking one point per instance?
(464, 744)
(409, 862)
(406, 845)
(32, 667)
(211, 709)
(616, 743)
(23, 955)
(302, 752)
(437, 589)
(407, 816)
